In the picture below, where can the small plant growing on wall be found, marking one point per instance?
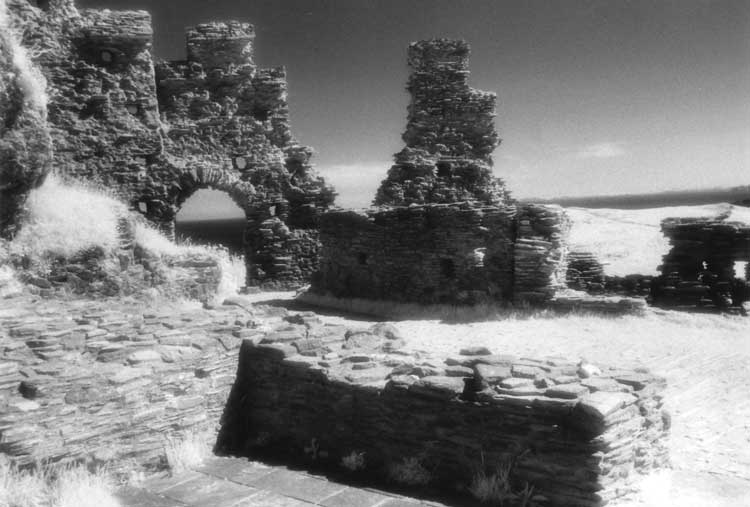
(354, 461)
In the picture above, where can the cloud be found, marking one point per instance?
(602, 150)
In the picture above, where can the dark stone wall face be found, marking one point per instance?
(430, 254)
(579, 441)
(443, 253)
(154, 134)
(698, 271)
(450, 133)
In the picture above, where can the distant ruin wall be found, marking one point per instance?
(155, 133)
(699, 269)
(578, 441)
(443, 253)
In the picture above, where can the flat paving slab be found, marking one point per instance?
(238, 482)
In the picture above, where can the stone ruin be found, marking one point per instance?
(698, 273)
(445, 229)
(578, 440)
(154, 133)
(450, 134)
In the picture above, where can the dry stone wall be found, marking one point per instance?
(109, 380)
(443, 253)
(429, 254)
(156, 133)
(576, 433)
(698, 271)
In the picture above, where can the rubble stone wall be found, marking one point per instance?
(578, 440)
(450, 133)
(698, 270)
(154, 133)
(443, 253)
(108, 381)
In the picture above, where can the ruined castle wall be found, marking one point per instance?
(430, 254)
(442, 253)
(153, 135)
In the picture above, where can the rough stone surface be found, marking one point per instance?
(698, 271)
(109, 380)
(577, 445)
(25, 142)
(450, 133)
(444, 253)
(156, 133)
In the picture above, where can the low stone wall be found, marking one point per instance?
(109, 381)
(586, 273)
(576, 433)
(443, 253)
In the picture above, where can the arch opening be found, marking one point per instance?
(211, 216)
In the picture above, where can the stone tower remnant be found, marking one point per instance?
(445, 229)
(154, 133)
(450, 133)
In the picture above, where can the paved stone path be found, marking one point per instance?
(237, 482)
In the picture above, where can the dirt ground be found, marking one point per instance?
(705, 359)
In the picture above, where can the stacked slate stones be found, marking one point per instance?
(577, 433)
(698, 271)
(540, 252)
(109, 382)
(450, 133)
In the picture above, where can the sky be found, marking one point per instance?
(594, 97)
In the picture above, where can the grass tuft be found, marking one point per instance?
(186, 451)
(55, 486)
(410, 472)
(492, 488)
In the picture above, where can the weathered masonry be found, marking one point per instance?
(445, 229)
(577, 440)
(450, 133)
(443, 253)
(154, 133)
(699, 270)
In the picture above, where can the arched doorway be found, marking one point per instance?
(210, 216)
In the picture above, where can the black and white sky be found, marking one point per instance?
(594, 96)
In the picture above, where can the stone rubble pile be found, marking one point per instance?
(578, 433)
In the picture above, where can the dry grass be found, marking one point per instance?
(186, 451)
(409, 471)
(67, 486)
(62, 220)
(491, 487)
